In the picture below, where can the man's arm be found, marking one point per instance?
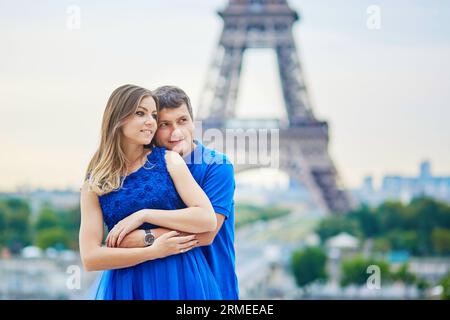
(206, 238)
(219, 186)
(96, 257)
(135, 239)
(199, 215)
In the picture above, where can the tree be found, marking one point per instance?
(412, 227)
(392, 216)
(439, 209)
(2, 224)
(441, 240)
(381, 244)
(16, 233)
(331, 226)
(355, 270)
(403, 240)
(404, 275)
(445, 283)
(428, 214)
(309, 265)
(367, 220)
(70, 221)
(67, 220)
(47, 218)
(53, 237)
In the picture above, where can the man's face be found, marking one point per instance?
(176, 130)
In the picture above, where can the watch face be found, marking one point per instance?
(149, 239)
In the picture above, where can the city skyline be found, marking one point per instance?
(382, 91)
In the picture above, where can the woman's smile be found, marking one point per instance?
(147, 131)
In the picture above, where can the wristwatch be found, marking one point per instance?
(149, 237)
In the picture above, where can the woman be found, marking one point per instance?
(124, 177)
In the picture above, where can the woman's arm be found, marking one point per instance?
(199, 216)
(135, 239)
(96, 257)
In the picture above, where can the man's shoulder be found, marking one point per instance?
(214, 157)
(219, 171)
(211, 157)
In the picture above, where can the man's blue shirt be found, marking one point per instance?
(214, 173)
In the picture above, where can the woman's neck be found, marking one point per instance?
(133, 153)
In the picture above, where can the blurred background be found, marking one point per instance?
(382, 87)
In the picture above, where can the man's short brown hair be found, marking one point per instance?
(172, 97)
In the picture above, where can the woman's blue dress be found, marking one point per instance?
(184, 276)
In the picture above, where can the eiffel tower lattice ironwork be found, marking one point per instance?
(303, 140)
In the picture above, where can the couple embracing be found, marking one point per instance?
(166, 200)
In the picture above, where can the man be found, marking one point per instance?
(213, 172)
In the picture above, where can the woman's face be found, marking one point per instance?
(139, 128)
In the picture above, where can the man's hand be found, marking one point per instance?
(135, 239)
(123, 228)
(158, 232)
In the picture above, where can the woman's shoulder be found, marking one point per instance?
(168, 158)
(158, 157)
(155, 152)
(173, 158)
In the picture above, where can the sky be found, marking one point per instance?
(385, 92)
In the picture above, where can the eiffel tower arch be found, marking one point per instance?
(303, 140)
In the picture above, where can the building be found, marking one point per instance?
(403, 188)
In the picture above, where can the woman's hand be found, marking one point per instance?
(124, 227)
(171, 243)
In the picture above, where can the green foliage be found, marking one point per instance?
(422, 284)
(308, 266)
(428, 214)
(422, 227)
(392, 215)
(367, 220)
(381, 244)
(441, 240)
(70, 221)
(2, 225)
(51, 227)
(404, 275)
(402, 240)
(331, 226)
(67, 220)
(445, 283)
(354, 270)
(47, 218)
(247, 213)
(52, 237)
(15, 224)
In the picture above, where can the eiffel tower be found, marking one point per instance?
(303, 140)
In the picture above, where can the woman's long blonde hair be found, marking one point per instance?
(105, 170)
